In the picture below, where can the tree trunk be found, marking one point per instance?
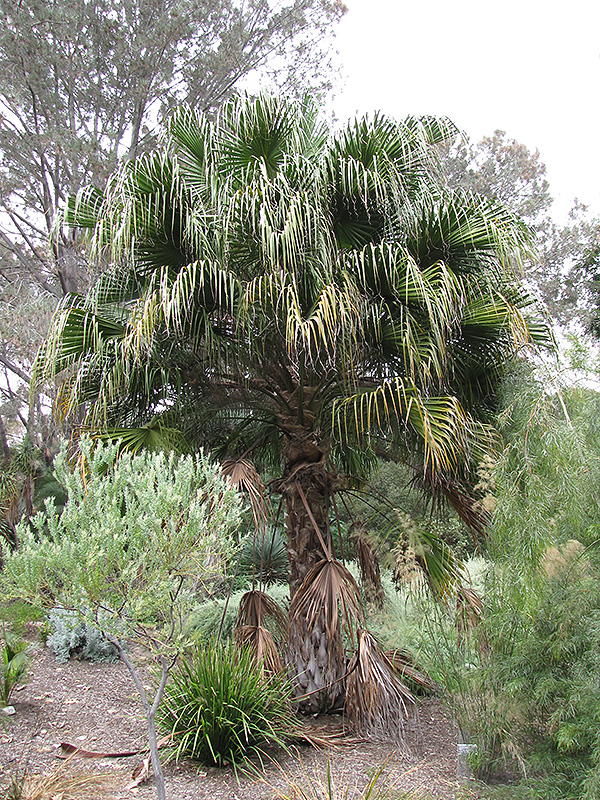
(150, 709)
(317, 663)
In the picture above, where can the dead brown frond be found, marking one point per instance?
(261, 643)
(405, 666)
(369, 568)
(62, 784)
(376, 699)
(335, 735)
(328, 593)
(255, 607)
(327, 597)
(244, 476)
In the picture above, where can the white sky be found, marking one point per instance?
(528, 67)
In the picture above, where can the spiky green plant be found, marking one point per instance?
(222, 709)
(15, 661)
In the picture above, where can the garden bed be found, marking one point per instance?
(95, 707)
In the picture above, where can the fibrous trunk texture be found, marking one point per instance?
(316, 660)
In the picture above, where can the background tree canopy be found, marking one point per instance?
(83, 86)
(564, 272)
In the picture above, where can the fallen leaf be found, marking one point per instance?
(140, 774)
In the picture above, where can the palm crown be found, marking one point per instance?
(296, 280)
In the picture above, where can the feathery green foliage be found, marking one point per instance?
(525, 681)
(139, 536)
(134, 529)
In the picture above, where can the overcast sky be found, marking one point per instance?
(528, 67)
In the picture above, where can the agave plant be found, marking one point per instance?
(302, 299)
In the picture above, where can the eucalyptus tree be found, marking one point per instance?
(83, 86)
(304, 299)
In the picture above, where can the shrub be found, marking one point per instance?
(222, 709)
(72, 636)
(139, 538)
(526, 685)
(17, 615)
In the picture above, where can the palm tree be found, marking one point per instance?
(305, 300)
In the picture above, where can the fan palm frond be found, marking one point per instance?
(250, 632)
(405, 666)
(244, 476)
(445, 430)
(327, 589)
(377, 702)
(369, 567)
(154, 436)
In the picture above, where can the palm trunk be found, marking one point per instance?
(317, 663)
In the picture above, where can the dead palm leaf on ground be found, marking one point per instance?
(376, 699)
(405, 666)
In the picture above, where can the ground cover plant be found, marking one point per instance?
(70, 635)
(139, 537)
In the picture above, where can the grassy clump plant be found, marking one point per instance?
(61, 784)
(222, 708)
(324, 782)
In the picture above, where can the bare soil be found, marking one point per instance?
(96, 707)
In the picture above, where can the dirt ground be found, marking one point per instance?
(96, 707)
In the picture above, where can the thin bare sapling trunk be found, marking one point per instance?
(150, 708)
